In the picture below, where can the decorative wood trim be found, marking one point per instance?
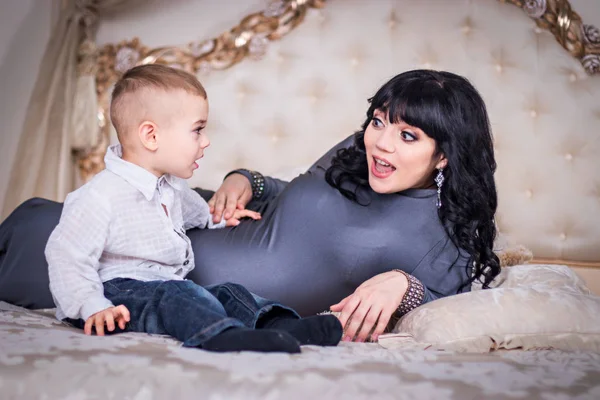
(582, 41)
(570, 263)
(250, 38)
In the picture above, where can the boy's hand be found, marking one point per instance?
(119, 314)
(239, 214)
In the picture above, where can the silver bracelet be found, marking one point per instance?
(413, 297)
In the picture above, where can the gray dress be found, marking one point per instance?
(311, 248)
(314, 247)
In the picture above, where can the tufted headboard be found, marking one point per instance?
(309, 90)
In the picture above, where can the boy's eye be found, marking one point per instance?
(197, 130)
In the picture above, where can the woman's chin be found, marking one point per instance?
(380, 187)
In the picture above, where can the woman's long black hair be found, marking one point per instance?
(450, 110)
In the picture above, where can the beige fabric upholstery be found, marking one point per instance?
(534, 306)
(591, 276)
(44, 359)
(310, 91)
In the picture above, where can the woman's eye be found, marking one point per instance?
(407, 136)
(377, 123)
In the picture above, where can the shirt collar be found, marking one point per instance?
(138, 177)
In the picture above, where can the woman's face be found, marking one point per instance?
(400, 156)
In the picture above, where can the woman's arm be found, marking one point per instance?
(263, 188)
(273, 186)
(257, 188)
(237, 192)
(323, 163)
(441, 272)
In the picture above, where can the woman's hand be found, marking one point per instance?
(372, 303)
(235, 193)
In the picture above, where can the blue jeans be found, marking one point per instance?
(189, 312)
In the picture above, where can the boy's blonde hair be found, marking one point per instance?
(149, 76)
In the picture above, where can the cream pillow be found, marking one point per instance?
(533, 306)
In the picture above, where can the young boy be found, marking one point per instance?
(119, 255)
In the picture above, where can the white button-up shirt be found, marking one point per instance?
(115, 226)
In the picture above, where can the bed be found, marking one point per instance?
(42, 358)
(304, 80)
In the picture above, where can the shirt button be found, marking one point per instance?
(186, 262)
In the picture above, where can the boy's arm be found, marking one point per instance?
(73, 252)
(195, 211)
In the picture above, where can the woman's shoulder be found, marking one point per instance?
(323, 163)
(310, 180)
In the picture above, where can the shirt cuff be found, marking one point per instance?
(94, 305)
(212, 225)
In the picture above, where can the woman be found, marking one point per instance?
(397, 215)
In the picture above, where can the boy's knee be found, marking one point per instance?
(185, 286)
(171, 285)
(232, 287)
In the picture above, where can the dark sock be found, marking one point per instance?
(244, 339)
(320, 330)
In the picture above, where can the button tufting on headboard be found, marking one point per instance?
(311, 88)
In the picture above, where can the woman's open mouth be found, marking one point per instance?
(381, 168)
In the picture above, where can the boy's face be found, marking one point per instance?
(181, 137)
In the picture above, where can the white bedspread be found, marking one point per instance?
(40, 358)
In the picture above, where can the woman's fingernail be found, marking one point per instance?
(346, 338)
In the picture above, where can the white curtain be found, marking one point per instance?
(61, 115)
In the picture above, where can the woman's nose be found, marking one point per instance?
(384, 142)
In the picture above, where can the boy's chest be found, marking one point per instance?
(153, 227)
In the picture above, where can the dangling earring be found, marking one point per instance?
(439, 180)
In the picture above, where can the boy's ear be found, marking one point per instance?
(147, 134)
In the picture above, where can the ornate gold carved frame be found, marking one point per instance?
(250, 38)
